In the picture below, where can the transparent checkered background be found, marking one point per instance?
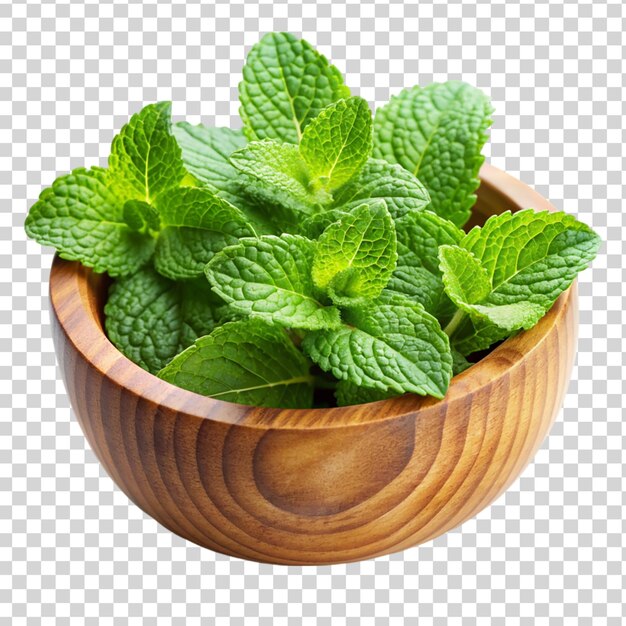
(73, 550)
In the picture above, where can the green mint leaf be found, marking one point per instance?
(145, 159)
(80, 217)
(466, 280)
(423, 232)
(200, 309)
(401, 191)
(378, 180)
(189, 180)
(412, 279)
(511, 316)
(476, 334)
(270, 277)
(390, 343)
(276, 165)
(459, 362)
(532, 255)
(227, 313)
(468, 285)
(356, 255)
(437, 133)
(314, 225)
(347, 394)
(286, 83)
(417, 273)
(150, 319)
(278, 179)
(206, 153)
(249, 362)
(140, 216)
(337, 143)
(509, 272)
(196, 224)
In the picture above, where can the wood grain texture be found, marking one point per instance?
(324, 485)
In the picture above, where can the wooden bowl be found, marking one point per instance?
(322, 485)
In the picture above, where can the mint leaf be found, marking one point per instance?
(286, 83)
(468, 285)
(200, 310)
(279, 179)
(378, 180)
(227, 313)
(249, 362)
(197, 224)
(314, 225)
(270, 277)
(206, 152)
(150, 319)
(140, 216)
(459, 362)
(473, 335)
(337, 143)
(437, 133)
(347, 394)
(356, 255)
(390, 343)
(508, 273)
(145, 159)
(412, 279)
(466, 280)
(401, 191)
(80, 217)
(417, 273)
(532, 255)
(189, 180)
(423, 232)
(275, 164)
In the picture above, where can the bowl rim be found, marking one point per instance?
(74, 306)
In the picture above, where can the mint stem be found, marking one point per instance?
(455, 322)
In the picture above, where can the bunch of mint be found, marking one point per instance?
(316, 249)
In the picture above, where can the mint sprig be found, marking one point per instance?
(356, 255)
(317, 250)
(506, 275)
